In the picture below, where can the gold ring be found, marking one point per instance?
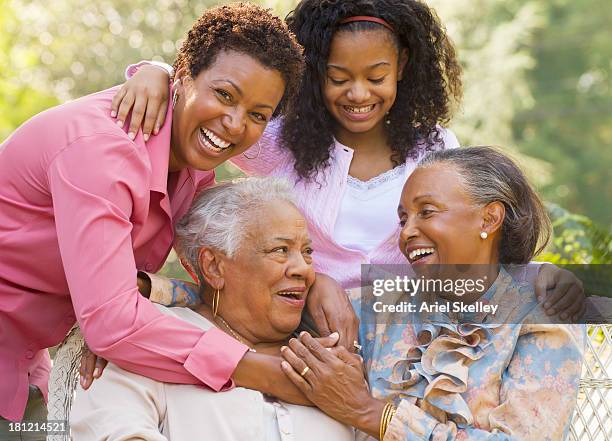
(357, 345)
(306, 369)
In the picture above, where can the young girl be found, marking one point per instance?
(381, 76)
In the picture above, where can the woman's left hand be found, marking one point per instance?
(330, 308)
(91, 367)
(333, 379)
(146, 96)
(561, 291)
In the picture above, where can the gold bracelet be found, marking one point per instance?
(381, 429)
(385, 419)
(390, 416)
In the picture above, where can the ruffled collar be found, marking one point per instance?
(435, 371)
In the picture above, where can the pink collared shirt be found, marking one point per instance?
(82, 208)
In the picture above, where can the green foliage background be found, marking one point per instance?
(537, 83)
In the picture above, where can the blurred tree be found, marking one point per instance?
(577, 240)
(19, 97)
(80, 53)
(492, 37)
(569, 121)
(537, 82)
(71, 54)
(582, 247)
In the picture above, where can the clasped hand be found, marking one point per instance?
(333, 379)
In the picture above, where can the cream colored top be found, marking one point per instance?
(123, 406)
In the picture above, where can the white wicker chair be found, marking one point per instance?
(64, 379)
(592, 419)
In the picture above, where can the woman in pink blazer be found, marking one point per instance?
(84, 205)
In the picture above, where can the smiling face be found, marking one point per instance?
(362, 73)
(441, 224)
(223, 111)
(267, 280)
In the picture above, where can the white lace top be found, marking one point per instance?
(374, 203)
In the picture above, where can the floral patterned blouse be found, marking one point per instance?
(477, 381)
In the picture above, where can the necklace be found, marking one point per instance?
(235, 334)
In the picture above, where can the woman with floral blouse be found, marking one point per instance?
(507, 375)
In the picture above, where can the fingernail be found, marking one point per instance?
(285, 365)
(547, 305)
(131, 135)
(113, 114)
(120, 123)
(283, 348)
(156, 131)
(146, 137)
(96, 372)
(329, 349)
(83, 382)
(334, 335)
(303, 333)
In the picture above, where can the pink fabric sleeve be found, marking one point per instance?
(266, 156)
(94, 191)
(450, 140)
(133, 68)
(40, 371)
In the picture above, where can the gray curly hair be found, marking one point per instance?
(220, 216)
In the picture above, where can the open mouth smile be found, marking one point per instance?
(213, 142)
(359, 113)
(293, 296)
(359, 109)
(420, 255)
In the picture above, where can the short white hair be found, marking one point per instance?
(220, 217)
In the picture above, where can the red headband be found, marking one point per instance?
(378, 20)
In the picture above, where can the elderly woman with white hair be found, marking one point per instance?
(255, 270)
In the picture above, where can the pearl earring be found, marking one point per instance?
(387, 119)
(483, 235)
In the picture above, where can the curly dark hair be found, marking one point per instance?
(248, 29)
(424, 98)
(491, 176)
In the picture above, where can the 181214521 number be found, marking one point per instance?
(50, 427)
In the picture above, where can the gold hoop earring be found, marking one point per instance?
(175, 95)
(174, 98)
(257, 155)
(215, 302)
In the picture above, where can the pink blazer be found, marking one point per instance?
(82, 208)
